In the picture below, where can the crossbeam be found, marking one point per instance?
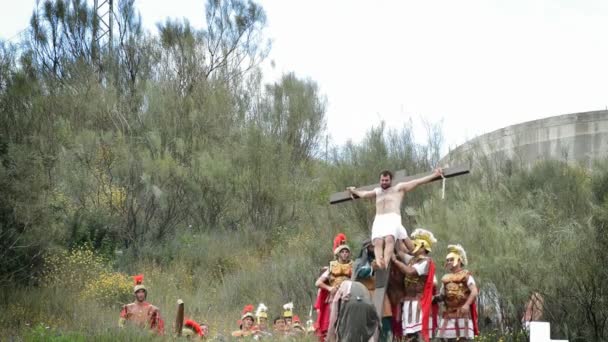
(450, 172)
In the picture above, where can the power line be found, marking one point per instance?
(16, 35)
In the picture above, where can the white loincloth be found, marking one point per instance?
(388, 225)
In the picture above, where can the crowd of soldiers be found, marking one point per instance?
(415, 306)
(253, 323)
(257, 325)
(410, 313)
(345, 307)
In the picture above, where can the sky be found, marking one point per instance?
(473, 65)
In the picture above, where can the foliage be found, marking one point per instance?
(108, 288)
(169, 156)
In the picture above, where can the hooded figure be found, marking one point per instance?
(353, 314)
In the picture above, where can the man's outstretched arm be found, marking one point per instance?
(360, 193)
(411, 185)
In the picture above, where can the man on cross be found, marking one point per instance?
(387, 227)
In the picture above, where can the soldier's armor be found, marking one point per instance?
(456, 292)
(339, 272)
(414, 284)
(140, 314)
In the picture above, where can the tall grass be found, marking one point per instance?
(531, 232)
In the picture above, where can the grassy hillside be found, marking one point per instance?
(173, 159)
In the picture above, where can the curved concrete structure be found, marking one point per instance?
(580, 137)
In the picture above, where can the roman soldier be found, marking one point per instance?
(246, 322)
(417, 316)
(288, 315)
(192, 330)
(261, 315)
(141, 313)
(340, 269)
(297, 328)
(459, 294)
(279, 326)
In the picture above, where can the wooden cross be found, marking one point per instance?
(382, 275)
(450, 172)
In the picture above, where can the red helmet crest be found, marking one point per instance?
(194, 326)
(339, 240)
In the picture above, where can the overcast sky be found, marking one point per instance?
(478, 65)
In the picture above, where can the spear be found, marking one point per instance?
(179, 318)
(310, 321)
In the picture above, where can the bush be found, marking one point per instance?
(108, 288)
(73, 269)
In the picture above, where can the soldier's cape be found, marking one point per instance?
(429, 310)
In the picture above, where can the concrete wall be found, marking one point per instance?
(579, 137)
